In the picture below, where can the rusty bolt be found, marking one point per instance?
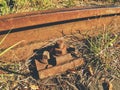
(61, 51)
(60, 48)
(60, 44)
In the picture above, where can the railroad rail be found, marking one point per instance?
(45, 17)
(36, 27)
(44, 25)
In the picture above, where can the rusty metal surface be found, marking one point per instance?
(60, 68)
(40, 26)
(64, 58)
(59, 60)
(55, 63)
(36, 27)
(37, 18)
(48, 57)
(37, 35)
(41, 66)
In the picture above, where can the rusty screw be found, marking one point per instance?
(60, 48)
(60, 44)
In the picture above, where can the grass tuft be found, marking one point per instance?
(101, 45)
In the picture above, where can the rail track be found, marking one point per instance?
(35, 27)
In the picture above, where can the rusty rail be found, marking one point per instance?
(45, 17)
(44, 25)
(35, 27)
